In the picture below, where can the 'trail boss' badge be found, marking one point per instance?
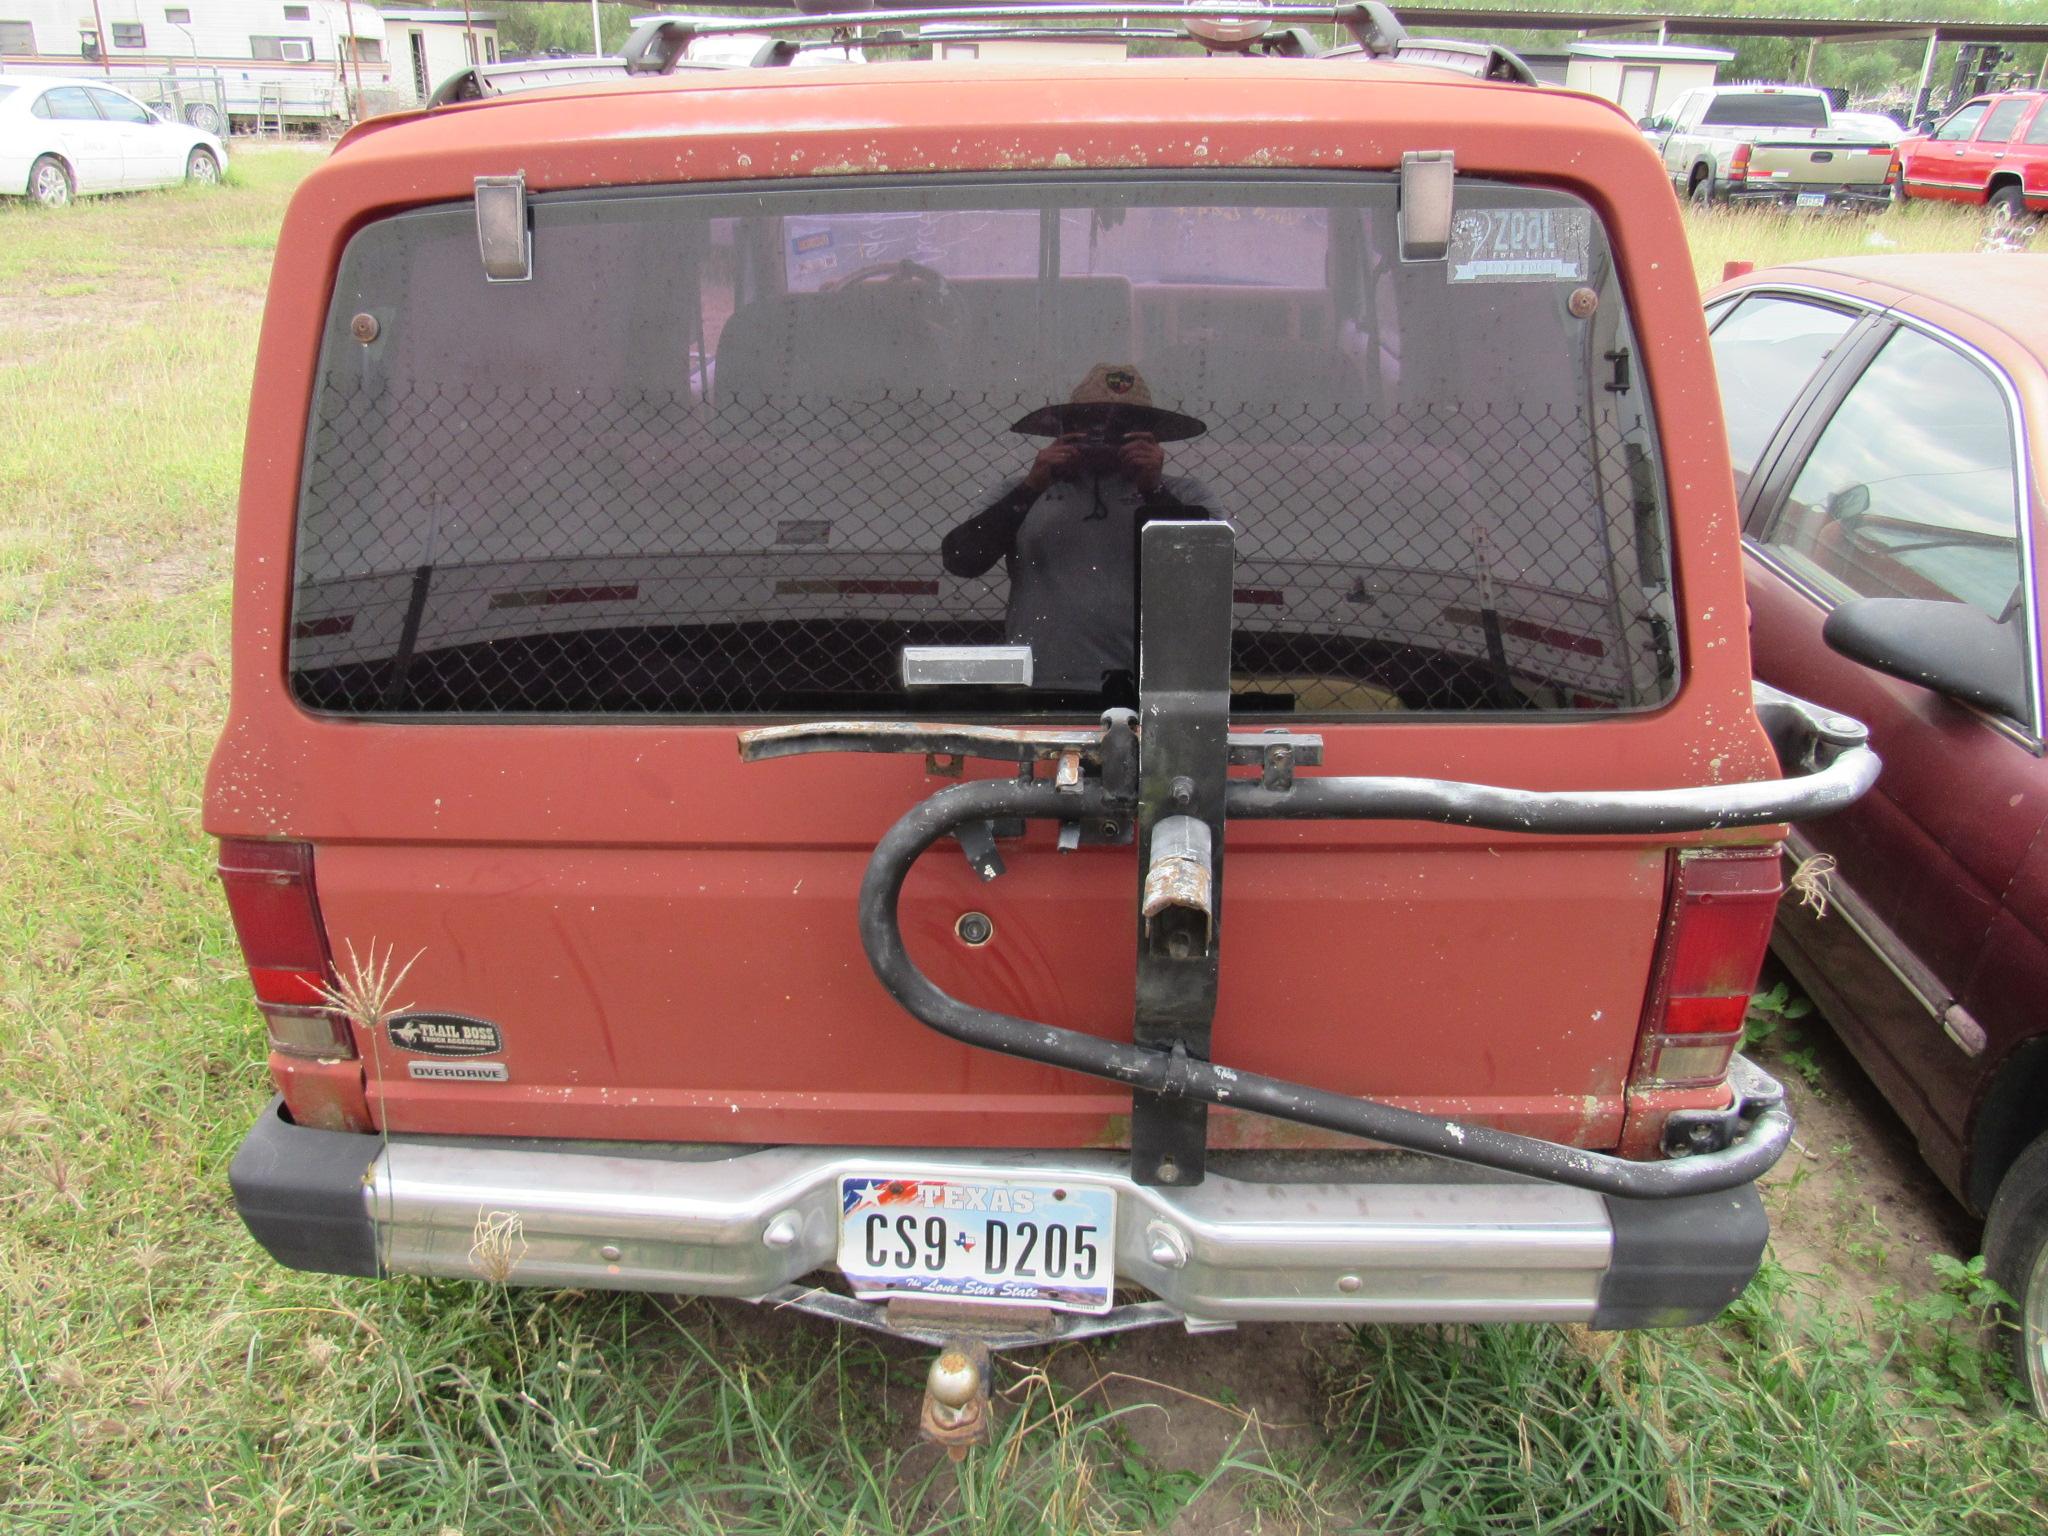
(445, 1034)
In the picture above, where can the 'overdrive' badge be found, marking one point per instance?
(458, 1071)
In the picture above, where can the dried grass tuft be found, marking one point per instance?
(497, 1245)
(365, 988)
(1810, 882)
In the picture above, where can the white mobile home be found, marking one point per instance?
(243, 63)
(424, 47)
(1641, 78)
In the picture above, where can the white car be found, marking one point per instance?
(1876, 125)
(61, 139)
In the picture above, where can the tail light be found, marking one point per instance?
(1717, 926)
(277, 919)
(1892, 172)
(1738, 165)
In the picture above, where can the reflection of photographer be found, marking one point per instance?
(1069, 528)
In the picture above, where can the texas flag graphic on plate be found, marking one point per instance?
(1010, 1241)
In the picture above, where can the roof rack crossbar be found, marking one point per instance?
(689, 28)
(659, 45)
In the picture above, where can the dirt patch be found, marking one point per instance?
(1853, 1201)
(1190, 1402)
(35, 312)
(158, 574)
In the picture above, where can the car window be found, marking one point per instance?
(6, 91)
(2003, 118)
(1910, 491)
(69, 103)
(116, 108)
(1964, 122)
(1767, 109)
(898, 413)
(2037, 132)
(1763, 354)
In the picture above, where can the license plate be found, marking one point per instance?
(1012, 1241)
(1811, 200)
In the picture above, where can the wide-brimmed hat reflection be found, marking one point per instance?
(1113, 400)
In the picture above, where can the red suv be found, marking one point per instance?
(1991, 151)
(701, 528)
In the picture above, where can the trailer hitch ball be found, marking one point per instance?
(956, 1404)
(1179, 916)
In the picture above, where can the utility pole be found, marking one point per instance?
(356, 57)
(596, 31)
(99, 34)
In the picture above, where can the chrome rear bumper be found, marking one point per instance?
(1351, 1239)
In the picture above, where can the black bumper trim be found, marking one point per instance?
(1681, 1261)
(300, 1193)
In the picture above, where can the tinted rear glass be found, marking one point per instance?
(1768, 109)
(728, 452)
(2002, 119)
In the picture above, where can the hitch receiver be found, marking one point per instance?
(1185, 575)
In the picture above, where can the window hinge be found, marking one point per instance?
(1424, 216)
(502, 233)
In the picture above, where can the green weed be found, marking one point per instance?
(1948, 1341)
(1767, 1024)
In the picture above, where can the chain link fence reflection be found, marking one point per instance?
(518, 550)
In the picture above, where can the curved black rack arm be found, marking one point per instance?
(1165, 773)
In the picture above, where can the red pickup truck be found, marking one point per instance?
(1991, 151)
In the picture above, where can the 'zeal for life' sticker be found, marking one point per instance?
(1520, 245)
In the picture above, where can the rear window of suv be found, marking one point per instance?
(729, 450)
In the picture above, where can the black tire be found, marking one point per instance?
(2016, 1256)
(50, 184)
(202, 169)
(1701, 191)
(204, 117)
(2007, 208)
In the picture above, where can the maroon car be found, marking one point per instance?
(1884, 419)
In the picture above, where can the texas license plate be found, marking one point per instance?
(1014, 1241)
(1811, 200)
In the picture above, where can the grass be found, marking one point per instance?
(158, 1374)
(1769, 238)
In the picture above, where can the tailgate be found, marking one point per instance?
(1812, 163)
(720, 993)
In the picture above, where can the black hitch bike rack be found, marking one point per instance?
(1163, 775)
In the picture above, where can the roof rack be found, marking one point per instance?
(659, 45)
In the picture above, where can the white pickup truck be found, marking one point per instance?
(1768, 144)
